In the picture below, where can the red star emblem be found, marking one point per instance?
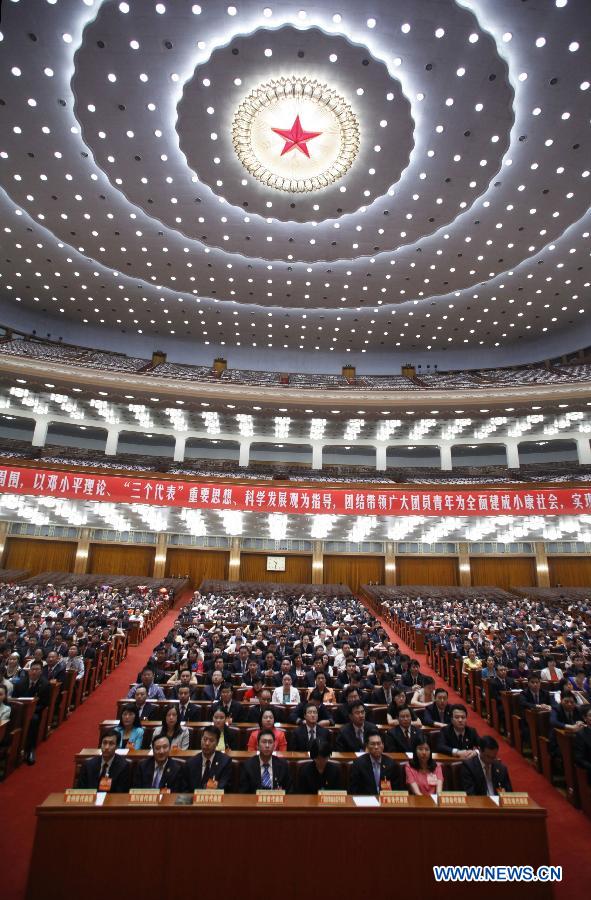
(296, 137)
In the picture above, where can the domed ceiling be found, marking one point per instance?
(295, 185)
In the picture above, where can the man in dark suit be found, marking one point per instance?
(582, 747)
(33, 684)
(383, 694)
(231, 707)
(159, 771)
(107, 772)
(438, 713)
(188, 712)
(212, 691)
(309, 730)
(353, 737)
(413, 677)
(565, 716)
(265, 770)
(403, 737)
(185, 677)
(485, 775)
(458, 739)
(145, 710)
(209, 769)
(240, 665)
(532, 697)
(496, 685)
(373, 772)
(55, 667)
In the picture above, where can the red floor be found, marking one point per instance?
(29, 785)
(569, 831)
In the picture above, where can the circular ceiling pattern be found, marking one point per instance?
(288, 166)
(462, 222)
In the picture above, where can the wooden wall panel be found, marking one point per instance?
(39, 555)
(442, 570)
(298, 569)
(570, 571)
(503, 572)
(121, 559)
(197, 564)
(353, 570)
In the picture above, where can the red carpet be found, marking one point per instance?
(26, 788)
(569, 831)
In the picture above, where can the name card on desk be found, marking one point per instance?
(393, 798)
(80, 796)
(514, 798)
(144, 795)
(270, 797)
(332, 798)
(207, 797)
(453, 798)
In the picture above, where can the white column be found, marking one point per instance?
(244, 457)
(179, 447)
(381, 464)
(445, 451)
(112, 441)
(583, 450)
(316, 456)
(512, 455)
(40, 432)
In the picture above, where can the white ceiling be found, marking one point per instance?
(125, 223)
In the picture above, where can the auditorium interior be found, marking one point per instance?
(389, 548)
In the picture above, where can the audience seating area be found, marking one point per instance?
(93, 359)
(539, 625)
(98, 621)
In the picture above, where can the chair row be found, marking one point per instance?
(239, 732)
(451, 767)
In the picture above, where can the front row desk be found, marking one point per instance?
(302, 847)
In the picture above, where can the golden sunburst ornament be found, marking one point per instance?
(296, 135)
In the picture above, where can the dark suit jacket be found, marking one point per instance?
(119, 773)
(310, 781)
(448, 740)
(221, 770)
(171, 778)
(362, 780)
(250, 775)
(234, 711)
(208, 692)
(347, 741)
(191, 714)
(377, 696)
(299, 737)
(496, 686)
(582, 750)
(558, 720)
(474, 782)
(396, 742)
(40, 690)
(431, 715)
(149, 711)
(526, 699)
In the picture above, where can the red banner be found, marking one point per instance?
(307, 501)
